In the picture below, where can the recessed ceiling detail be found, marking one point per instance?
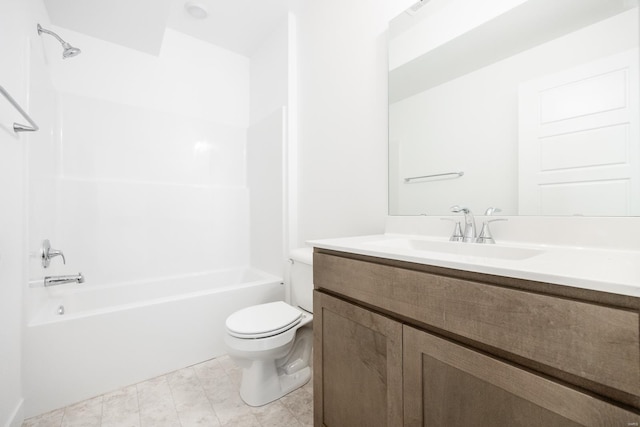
(137, 24)
(236, 25)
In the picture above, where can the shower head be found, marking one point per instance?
(69, 51)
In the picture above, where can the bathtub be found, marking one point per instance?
(113, 336)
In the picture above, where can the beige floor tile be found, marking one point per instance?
(211, 369)
(157, 408)
(275, 414)
(204, 395)
(220, 390)
(242, 420)
(227, 363)
(120, 408)
(226, 402)
(84, 414)
(232, 408)
(49, 419)
(300, 403)
(191, 403)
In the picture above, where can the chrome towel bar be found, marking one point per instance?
(17, 127)
(448, 175)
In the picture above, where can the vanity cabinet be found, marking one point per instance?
(360, 365)
(399, 343)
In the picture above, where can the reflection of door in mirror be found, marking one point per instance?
(578, 140)
(454, 100)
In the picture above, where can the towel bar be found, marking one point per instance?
(17, 127)
(451, 175)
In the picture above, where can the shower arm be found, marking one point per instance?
(51, 33)
(69, 51)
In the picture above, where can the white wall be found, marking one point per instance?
(266, 148)
(269, 75)
(265, 174)
(13, 68)
(22, 75)
(189, 77)
(342, 116)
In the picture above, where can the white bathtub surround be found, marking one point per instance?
(201, 395)
(111, 336)
(144, 164)
(150, 160)
(156, 193)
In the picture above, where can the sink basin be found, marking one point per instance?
(458, 248)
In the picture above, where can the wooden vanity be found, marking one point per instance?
(399, 343)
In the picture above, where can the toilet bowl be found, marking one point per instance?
(272, 342)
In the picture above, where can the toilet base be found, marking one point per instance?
(264, 381)
(256, 393)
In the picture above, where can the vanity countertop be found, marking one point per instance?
(606, 270)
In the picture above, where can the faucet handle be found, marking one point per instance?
(485, 234)
(491, 211)
(47, 252)
(457, 235)
(458, 209)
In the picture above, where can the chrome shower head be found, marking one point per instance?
(69, 51)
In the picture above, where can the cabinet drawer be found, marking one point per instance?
(591, 341)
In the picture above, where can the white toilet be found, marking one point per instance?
(272, 342)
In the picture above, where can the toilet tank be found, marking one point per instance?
(301, 278)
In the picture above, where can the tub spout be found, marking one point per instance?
(59, 280)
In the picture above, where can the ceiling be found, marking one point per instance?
(236, 25)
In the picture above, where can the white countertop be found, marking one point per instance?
(607, 270)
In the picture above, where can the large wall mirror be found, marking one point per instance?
(530, 106)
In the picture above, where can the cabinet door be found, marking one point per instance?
(357, 366)
(446, 384)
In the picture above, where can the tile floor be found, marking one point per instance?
(200, 395)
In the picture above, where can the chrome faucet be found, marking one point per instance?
(469, 234)
(485, 234)
(59, 280)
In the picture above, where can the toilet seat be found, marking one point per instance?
(264, 320)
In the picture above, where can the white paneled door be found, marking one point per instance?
(579, 149)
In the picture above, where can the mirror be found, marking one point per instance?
(530, 106)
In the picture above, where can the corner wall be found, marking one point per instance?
(342, 112)
(23, 76)
(267, 142)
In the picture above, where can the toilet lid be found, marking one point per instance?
(263, 320)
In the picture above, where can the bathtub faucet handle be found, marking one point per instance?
(48, 252)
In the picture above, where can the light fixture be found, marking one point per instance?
(196, 10)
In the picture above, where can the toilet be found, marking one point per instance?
(272, 342)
